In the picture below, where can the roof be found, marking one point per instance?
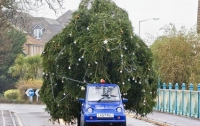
(38, 25)
(51, 21)
(50, 27)
(65, 18)
(99, 84)
(33, 41)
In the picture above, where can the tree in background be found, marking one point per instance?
(34, 64)
(27, 67)
(28, 70)
(12, 12)
(16, 12)
(176, 56)
(19, 68)
(11, 42)
(98, 43)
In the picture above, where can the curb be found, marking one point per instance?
(153, 121)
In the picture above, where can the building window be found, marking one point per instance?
(37, 33)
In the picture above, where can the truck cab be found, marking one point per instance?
(102, 105)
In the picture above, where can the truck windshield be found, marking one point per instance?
(103, 93)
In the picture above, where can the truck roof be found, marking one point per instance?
(99, 84)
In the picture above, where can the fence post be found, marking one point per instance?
(183, 86)
(164, 87)
(158, 95)
(158, 85)
(198, 87)
(170, 85)
(191, 88)
(176, 86)
(183, 90)
(176, 98)
(169, 106)
(198, 101)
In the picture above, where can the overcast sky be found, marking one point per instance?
(178, 12)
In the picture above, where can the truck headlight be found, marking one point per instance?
(90, 110)
(119, 109)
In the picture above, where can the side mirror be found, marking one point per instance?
(124, 100)
(81, 100)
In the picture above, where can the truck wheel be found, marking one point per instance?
(123, 124)
(78, 121)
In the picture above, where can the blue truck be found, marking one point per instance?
(102, 105)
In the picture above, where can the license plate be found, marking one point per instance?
(105, 115)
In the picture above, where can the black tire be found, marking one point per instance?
(79, 120)
(123, 124)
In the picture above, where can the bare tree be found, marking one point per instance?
(55, 5)
(16, 11)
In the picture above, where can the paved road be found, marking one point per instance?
(136, 122)
(25, 115)
(34, 115)
(6, 119)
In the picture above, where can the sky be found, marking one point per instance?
(178, 12)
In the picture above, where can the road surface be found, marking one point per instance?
(35, 115)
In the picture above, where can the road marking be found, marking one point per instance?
(12, 118)
(18, 120)
(4, 124)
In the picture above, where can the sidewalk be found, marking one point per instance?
(166, 119)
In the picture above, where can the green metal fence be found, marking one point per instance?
(180, 102)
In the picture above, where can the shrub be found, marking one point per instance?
(12, 94)
(23, 85)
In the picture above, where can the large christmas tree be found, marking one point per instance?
(97, 43)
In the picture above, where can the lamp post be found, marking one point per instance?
(146, 20)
